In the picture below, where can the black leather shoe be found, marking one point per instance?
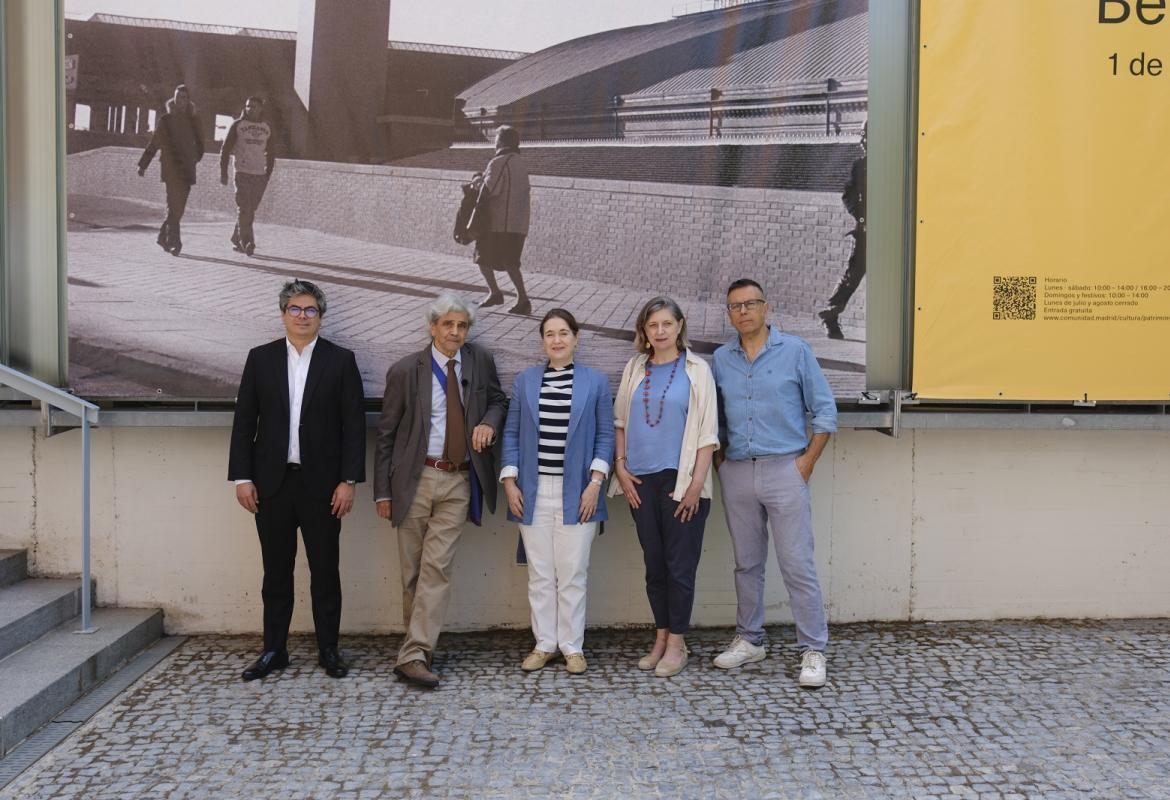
(416, 672)
(269, 661)
(334, 664)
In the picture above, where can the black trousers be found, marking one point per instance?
(249, 193)
(177, 192)
(671, 549)
(277, 521)
(854, 272)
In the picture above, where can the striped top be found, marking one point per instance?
(556, 398)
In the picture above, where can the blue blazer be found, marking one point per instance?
(590, 436)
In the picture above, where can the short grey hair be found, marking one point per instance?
(445, 304)
(297, 286)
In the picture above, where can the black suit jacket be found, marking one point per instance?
(332, 425)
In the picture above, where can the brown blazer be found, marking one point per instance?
(405, 426)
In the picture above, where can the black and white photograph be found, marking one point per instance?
(525, 156)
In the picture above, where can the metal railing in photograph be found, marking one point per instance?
(87, 412)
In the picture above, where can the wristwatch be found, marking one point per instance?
(351, 483)
(596, 481)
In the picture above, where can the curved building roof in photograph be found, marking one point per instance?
(738, 40)
(837, 50)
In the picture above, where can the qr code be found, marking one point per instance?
(1014, 297)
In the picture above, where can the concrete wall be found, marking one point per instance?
(692, 240)
(935, 525)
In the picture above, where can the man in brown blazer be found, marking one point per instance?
(435, 466)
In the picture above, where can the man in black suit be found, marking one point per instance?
(298, 448)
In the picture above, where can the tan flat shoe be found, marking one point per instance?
(649, 661)
(667, 669)
(575, 663)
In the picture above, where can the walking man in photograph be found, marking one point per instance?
(178, 139)
(435, 467)
(297, 450)
(767, 382)
(854, 199)
(249, 144)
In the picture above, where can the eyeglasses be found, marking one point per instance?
(746, 305)
(309, 312)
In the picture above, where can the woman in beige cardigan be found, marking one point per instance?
(667, 428)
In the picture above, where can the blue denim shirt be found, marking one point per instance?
(762, 404)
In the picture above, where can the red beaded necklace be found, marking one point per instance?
(661, 400)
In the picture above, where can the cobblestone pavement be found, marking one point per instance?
(950, 710)
(144, 323)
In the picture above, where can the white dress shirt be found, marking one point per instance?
(298, 373)
(438, 437)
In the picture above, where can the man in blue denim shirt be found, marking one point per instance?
(767, 381)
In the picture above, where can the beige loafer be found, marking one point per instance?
(575, 663)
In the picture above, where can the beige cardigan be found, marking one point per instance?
(701, 429)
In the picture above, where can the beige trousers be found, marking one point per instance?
(426, 550)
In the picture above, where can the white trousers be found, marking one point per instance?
(558, 561)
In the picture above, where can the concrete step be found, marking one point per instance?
(32, 608)
(13, 566)
(37, 682)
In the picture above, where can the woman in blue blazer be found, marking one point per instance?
(558, 445)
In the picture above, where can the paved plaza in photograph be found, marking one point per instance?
(1053, 710)
(147, 324)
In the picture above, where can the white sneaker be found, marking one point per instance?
(740, 652)
(812, 669)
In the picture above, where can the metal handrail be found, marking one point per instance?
(87, 412)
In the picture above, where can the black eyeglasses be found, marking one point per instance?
(750, 305)
(309, 312)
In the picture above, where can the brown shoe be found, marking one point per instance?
(416, 672)
(537, 659)
(575, 663)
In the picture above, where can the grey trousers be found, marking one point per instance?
(756, 493)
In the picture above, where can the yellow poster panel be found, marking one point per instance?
(1043, 231)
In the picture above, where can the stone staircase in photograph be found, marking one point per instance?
(45, 664)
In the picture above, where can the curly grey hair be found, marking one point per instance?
(446, 303)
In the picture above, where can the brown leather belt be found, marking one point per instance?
(447, 466)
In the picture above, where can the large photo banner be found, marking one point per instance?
(219, 149)
(1042, 258)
